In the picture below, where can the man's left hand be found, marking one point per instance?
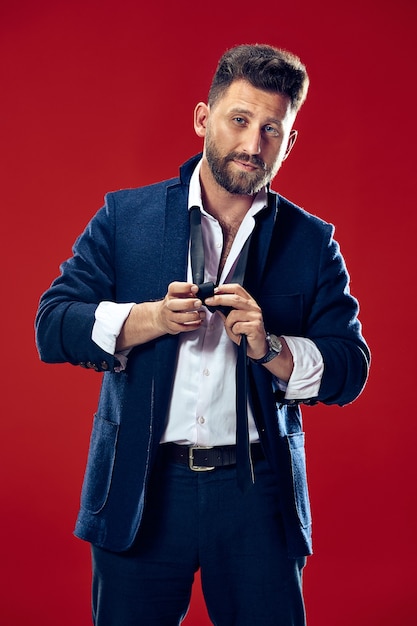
(245, 317)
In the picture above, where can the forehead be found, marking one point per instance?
(241, 96)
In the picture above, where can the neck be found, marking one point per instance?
(227, 208)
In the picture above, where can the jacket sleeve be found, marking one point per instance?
(335, 328)
(66, 312)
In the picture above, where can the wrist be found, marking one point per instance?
(154, 315)
(274, 347)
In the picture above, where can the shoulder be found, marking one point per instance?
(290, 213)
(133, 196)
(138, 206)
(154, 192)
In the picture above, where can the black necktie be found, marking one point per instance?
(244, 468)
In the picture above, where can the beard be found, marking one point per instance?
(237, 182)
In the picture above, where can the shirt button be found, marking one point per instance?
(206, 372)
(201, 420)
(218, 244)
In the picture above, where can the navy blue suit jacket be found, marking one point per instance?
(130, 251)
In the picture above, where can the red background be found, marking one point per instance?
(96, 96)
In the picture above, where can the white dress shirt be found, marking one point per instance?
(203, 403)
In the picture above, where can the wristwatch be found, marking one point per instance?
(274, 349)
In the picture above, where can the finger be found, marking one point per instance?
(251, 325)
(183, 304)
(232, 288)
(184, 322)
(232, 300)
(179, 289)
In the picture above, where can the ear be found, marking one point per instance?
(201, 115)
(291, 141)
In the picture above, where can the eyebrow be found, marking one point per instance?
(270, 120)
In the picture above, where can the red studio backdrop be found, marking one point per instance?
(98, 95)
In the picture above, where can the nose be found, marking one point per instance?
(252, 140)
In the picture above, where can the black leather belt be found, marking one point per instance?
(203, 459)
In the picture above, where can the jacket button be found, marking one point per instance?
(104, 365)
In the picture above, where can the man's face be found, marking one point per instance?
(247, 137)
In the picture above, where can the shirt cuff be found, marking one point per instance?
(305, 379)
(110, 317)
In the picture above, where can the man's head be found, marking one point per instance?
(264, 67)
(254, 98)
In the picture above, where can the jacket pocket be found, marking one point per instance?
(100, 463)
(299, 477)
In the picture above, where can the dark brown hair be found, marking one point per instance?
(264, 67)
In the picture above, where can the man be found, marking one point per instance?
(163, 493)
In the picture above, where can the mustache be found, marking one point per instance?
(246, 158)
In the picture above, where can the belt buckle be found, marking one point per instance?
(198, 468)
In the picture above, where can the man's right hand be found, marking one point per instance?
(179, 311)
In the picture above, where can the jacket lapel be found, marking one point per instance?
(177, 228)
(259, 246)
(173, 267)
(175, 237)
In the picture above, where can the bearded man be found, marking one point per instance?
(214, 308)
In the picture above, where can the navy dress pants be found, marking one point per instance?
(202, 520)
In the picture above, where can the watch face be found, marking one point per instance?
(275, 343)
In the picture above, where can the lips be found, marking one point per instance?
(249, 167)
(248, 163)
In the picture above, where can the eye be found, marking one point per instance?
(271, 130)
(240, 121)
